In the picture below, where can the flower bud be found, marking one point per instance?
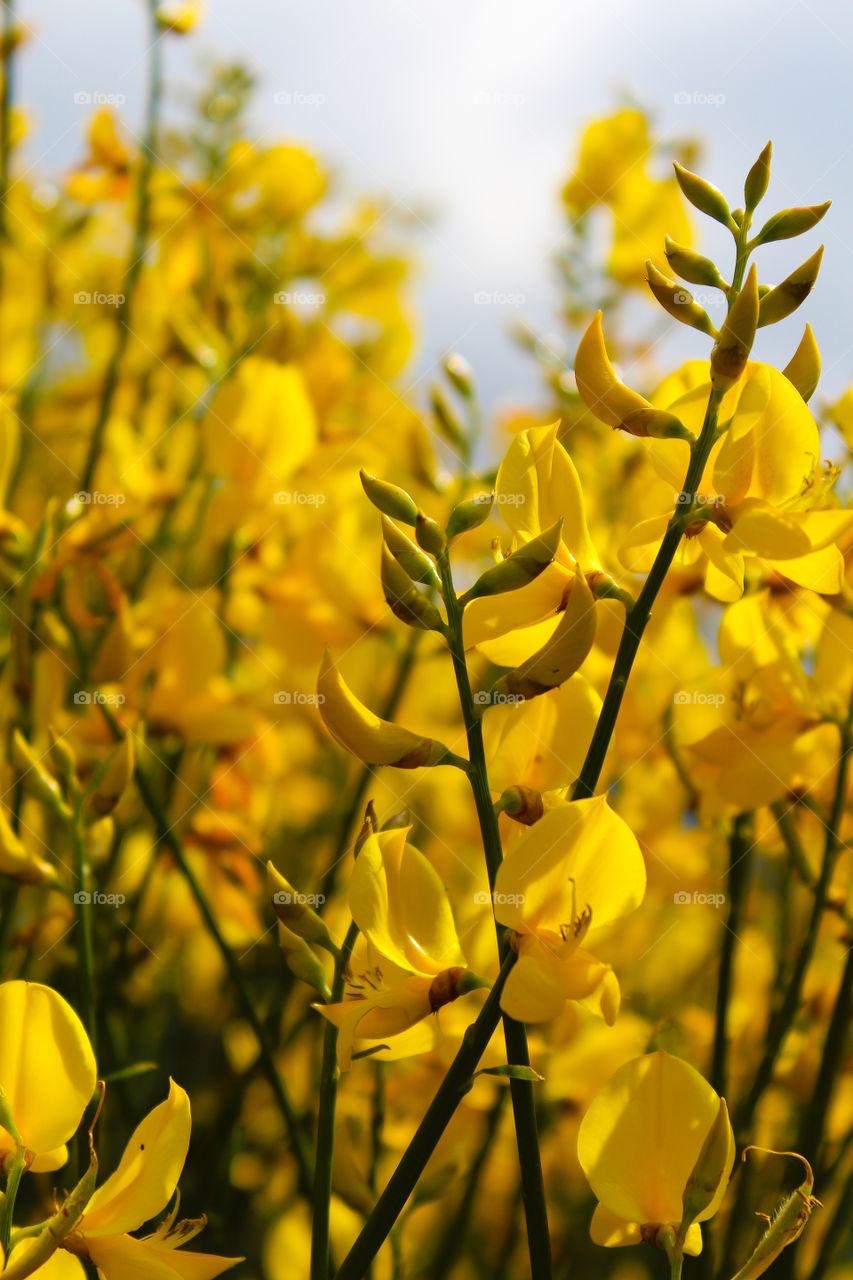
(460, 374)
(404, 599)
(794, 289)
(390, 499)
(791, 222)
(678, 301)
(732, 348)
(470, 515)
(692, 266)
(448, 423)
(294, 911)
(757, 179)
(302, 962)
(18, 863)
(410, 557)
(430, 535)
(703, 196)
(803, 369)
(112, 780)
(36, 778)
(518, 569)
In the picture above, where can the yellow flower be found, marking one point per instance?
(416, 963)
(141, 1187)
(578, 868)
(47, 1071)
(638, 1145)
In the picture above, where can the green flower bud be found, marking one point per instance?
(390, 499)
(757, 179)
(692, 266)
(36, 778)
(302, 962)
(712, 1166)
(518, 569)
(678, 301)
(418, 566)
(430, 535)
(791, 222)
(794, 289)
(404, 600)
(470, 515)
(703, 196)
(732, 348)
(460, 374)
(446, 420)
(294, 910)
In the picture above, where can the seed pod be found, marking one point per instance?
(418, 566)
(788, 1222)
(803, 369)
(430, 535)
(703, 196)
(791, 222)
(404, 599)
(757, 179)
(732, 348)
(517, 569)
(470, 515)
(692, 266)
(678, 301)
(794, 289)
(390, 499)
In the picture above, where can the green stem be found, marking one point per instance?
(13, 1182)
(515, 1035)
(437, 1117)
(638, 615)
(137, 252)
(167, 837)
(83, 914)
(320, 1250)
(783, 1017)
(741, 840)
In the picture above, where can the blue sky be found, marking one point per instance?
(466, 115)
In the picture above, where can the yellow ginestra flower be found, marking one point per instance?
(141, 1187)
(578, 868)
(416, 962)
(541, 743)
(639, 1143)
(759, 494)
(536, 486)
(47, 1071)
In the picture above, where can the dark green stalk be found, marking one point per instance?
(83, 915)
(438, 1115)
(741, 840)
(329, 1076)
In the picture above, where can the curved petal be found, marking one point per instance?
(612, 1232)
(124, 1258)
(148, 1172)
(531, 993)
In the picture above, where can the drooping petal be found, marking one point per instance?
(124, 1258)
